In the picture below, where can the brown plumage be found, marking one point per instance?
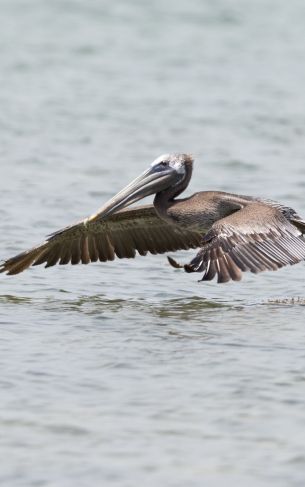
(256, 238)
(235, 233)
(123, 234)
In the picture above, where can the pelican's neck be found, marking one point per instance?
(166, 198)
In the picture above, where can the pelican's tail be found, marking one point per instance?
(22, 261)
(174, 263)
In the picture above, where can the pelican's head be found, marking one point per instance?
(175, 162)
(165, 172)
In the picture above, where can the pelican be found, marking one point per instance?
(233, 233)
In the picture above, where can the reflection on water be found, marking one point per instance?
(9, 299)
(182, 308)
(178, 307)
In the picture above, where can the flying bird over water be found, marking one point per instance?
(233, 233)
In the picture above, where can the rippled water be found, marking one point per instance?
(132, 373)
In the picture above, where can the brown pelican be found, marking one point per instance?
(234, 233)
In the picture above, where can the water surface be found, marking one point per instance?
(132, 373)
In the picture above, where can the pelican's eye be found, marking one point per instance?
(161, 165)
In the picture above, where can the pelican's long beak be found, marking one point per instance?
(150, 182)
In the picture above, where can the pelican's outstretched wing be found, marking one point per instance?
(125, 232)
(256, 238)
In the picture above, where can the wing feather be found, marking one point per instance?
(123, 234)
(256, 238)
(92, 248)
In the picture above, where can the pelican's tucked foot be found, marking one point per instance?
(196, 264)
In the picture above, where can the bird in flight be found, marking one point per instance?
(233, 233)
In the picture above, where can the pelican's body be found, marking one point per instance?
(234, 233)
(200, 211)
